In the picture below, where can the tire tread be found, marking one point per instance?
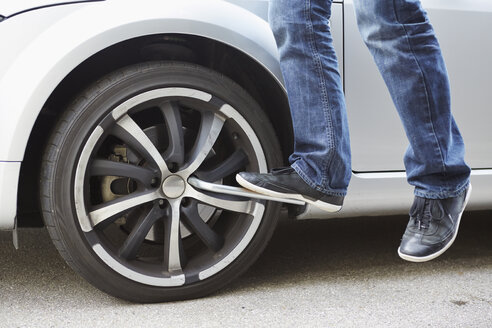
(56, 227)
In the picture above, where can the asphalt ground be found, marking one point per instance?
(331, 273)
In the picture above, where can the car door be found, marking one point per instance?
(378, 140)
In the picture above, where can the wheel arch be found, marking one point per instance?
(255, 68)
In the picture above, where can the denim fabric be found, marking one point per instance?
(405, 49)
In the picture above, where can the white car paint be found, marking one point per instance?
(10, 8)
(60, 50)
(38, 60)
(45, 45)
(462, 27)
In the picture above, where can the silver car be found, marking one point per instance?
(124, 123)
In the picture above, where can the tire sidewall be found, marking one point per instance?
(70, 136)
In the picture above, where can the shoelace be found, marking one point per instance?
(423, 215)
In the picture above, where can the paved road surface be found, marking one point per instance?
(337, 273)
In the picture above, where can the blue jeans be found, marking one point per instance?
(405, 49)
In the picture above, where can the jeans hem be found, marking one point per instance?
(442, 194)
(313, 185)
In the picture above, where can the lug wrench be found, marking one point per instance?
(237, 191)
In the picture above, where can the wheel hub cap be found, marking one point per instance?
(173, 186)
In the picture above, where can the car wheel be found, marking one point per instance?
(116, 192)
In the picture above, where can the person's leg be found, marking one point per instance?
(405, 49)
(402, 41)
(310, 69)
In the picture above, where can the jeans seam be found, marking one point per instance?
(443, 194)
(426, 89)
(324, 94)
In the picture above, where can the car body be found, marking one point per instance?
(52, 50)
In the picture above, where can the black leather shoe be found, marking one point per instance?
(286, 183)
(433, 227)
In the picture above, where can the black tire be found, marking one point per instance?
(93, 162)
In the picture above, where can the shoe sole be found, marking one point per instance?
(327, 207)
(445, 248)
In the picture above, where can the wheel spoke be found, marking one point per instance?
(172, 116)
(232, 164)
(128, 131)
(202, 229)
(114, 207)
(173, 247)
(226, 202)
(102, 167)
(133, 242)
(210, 128)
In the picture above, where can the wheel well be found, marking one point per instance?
(220, 57)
